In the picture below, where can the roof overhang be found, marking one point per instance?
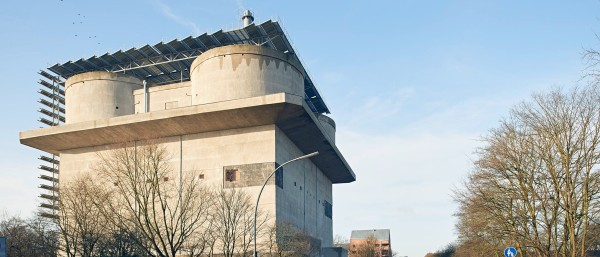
(289, 112)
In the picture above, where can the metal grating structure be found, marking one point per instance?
(170, 62)
(52, 110)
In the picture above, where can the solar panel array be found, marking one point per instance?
(165, 63)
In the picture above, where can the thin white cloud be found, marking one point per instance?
(384, 105)
(169, 13)
(240, 4)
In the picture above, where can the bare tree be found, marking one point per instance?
(45, 240)
(365, 248)
(82, 225)
(233, 221)
(119, 243)
(447, 251)
(163, 215)
(34, 237)
(285, 240)
(341, 241)
(535, 183)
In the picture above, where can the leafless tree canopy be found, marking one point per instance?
(82, 225)
(232, 217)
(136, 204)
(85, 228)
(449, 251)
(164, 215)
(341, 241)
(370, 247)
(34, 237)
(535, 184)
(285, 240)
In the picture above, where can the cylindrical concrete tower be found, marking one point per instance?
(99, 95)
(242, 71)
(329, 125)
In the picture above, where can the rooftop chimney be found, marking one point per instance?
(247, 18)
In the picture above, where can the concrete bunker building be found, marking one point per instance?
(230, 105)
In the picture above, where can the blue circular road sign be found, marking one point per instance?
(510, 252)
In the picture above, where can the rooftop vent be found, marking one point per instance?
(247, 18)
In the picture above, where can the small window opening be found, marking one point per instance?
(231, 175)
(328, 209)
(166, 179)
(279, 178)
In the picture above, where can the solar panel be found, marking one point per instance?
(170, 62)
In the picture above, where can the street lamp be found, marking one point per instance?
(263, 187)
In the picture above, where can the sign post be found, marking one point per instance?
(510, 252)
(2, 246)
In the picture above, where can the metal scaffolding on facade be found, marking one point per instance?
(53, 114)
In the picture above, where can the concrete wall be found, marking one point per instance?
(220, 74)
(227, 73)
(253, 151)
(205, 153)
(329, 125)
(99, 95)
(306, 189)
(208, 152)
(164, 97)
(242, 71)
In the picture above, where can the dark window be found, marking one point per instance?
(328, 209)
(166, 179)
(279, 178)
(231, 175)
(201, 176)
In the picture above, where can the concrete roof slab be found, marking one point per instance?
(288, 112)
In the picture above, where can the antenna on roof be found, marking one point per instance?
(247, 18)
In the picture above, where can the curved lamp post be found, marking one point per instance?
(263, 187)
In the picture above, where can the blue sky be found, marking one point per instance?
(412, 85)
